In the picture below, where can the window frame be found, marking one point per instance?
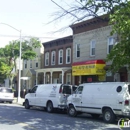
(77, 50)
(36, 64)
(46, 58)
(109, 43)
(31, 64)
(53, 53)
(67, 55)
(92, 43)
(25, 64)
(61, 50)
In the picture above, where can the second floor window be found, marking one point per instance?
(30, 63)
(53, 58)
(92, 48)
(46, 58)
(61, 56)
(25, 64)
(110, 44)
(68, 55)
(77, 50)
(36, 64)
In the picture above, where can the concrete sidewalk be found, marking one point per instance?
(16, 101)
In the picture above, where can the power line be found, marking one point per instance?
(1, 35)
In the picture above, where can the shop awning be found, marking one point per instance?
(91, 67)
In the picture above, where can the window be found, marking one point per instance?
(30, 63)
(46, 58)
(34, 89)
(79, 90)
(25, 64)
(110, 44)
(61, 56)
(68, 55)
(53, 58)
(60, 78)
(77, 50)
(36, 64)
(68, 78)
(92, 48)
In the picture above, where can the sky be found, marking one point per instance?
(31, 18)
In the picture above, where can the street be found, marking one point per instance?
(13, 116)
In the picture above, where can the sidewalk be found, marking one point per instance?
(16, 102)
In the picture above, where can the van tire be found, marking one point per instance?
(49, 107)
(108, 115)
(71, 111)
(26, 104)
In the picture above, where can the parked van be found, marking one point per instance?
(49, 96)
(110, 99)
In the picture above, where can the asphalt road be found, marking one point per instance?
(16, 117)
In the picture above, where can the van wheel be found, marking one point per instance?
(49, 107)
(71, 111)
(26, 104)
(108, 116)
(95, 116)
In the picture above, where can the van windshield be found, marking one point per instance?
(66, 89)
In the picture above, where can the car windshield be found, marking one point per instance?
(5, 90)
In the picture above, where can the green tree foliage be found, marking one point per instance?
(120, 54)
(10, 53)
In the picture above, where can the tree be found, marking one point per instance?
(118, 13)
(10, 53)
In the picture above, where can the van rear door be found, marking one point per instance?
(65, 91)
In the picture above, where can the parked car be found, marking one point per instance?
(110, 99)
(6, 95)
(49, 96)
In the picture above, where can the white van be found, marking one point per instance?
(49, 96)
(109, 99)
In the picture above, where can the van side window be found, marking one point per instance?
(66, 90)
(74, 88)
(79, 90)
(34, 89)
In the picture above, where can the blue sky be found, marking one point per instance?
(30, 16)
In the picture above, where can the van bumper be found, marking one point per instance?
(127, 114)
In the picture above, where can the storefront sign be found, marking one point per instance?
(88, 68)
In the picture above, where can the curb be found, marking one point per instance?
(21, 102)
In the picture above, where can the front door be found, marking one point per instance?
(32, 96)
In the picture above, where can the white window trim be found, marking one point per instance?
(59, 57)
(76, 50)
(47, 53)
(91, 47)
(109, 44)
(53, 52)
(67, 55)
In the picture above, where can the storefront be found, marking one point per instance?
(88, 71)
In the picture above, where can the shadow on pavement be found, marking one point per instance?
(38, 119)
